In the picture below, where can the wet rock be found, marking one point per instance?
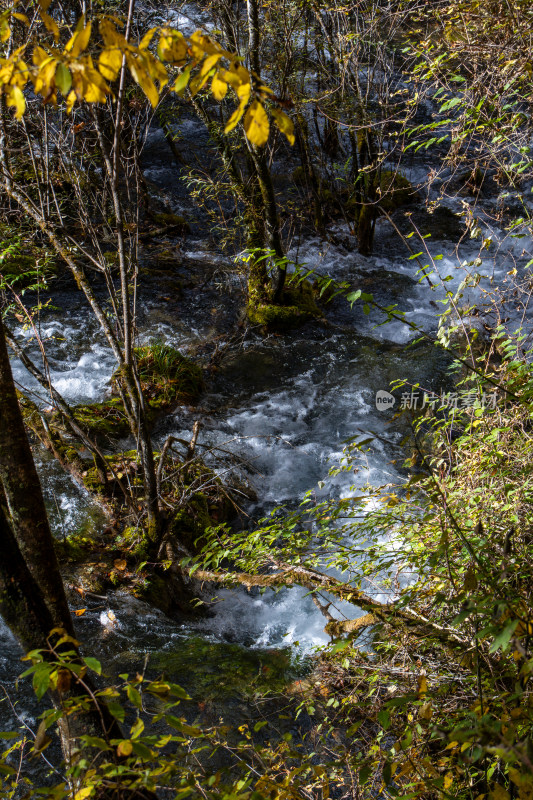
(441, 223)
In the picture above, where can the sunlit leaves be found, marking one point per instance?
(172, 47)
(219, 87)
(235, 118)
(5, 29)
(71, 71)
(285, 124)
(79, 41)
(256, 124)
(110, 62)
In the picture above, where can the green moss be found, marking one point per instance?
(172, 220)
(111, 257)
(133, 539)
(210, 670)
(154, 591)
(75, 547)
(298, 306)
(190, 523)
(168, 378)
(105, 419)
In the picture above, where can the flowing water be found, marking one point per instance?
(285, 404)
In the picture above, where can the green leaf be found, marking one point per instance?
(93, 664)
(41, 679)
(384, 719)
(503, 638)
(137, 728)
(181, 82)
(63, 79)
(353, 296)
(134, 696)
(117, 711)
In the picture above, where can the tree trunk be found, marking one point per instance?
(24, 498)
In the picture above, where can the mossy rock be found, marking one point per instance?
(124, 465)
(76, 548)
(172, 221)
(167, 377)
(396, 190)
(205, 508)
(210, 670)
(298, 306)
(189, 524)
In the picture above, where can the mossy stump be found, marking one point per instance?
(297, 307)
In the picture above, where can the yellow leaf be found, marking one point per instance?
(147, 38)
(243, 92)
(16, 99)
(141, 77)
(120, 564)
(235, 75)
(39, 56)
(110, 35)
(209, 63)
(5, 30)
(285, 124)
(499, 793)
(172, 47)
(110, 62)
(82, 794)
(71, 99)
(231, 77)
(448, 780)
(218, 87)
(45, 77)
(234, 119)
(202, 45)
(80, 611)
(88, 83)
(124, 748)
(256, 124)
(50, 24)
(422, 686)
(44, 4)
(198, 83)
(22, 18)
(79, 41)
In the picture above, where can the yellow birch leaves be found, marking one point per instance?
(196, 62)
(256, 124)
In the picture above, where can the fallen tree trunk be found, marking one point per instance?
(315, 581)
